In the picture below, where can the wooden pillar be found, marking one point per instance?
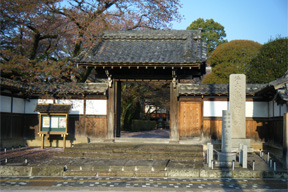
(111, 113)
(42, 143)
(64, 141)
(285, 140)
(174, 132)
(118, 109)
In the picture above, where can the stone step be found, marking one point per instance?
(134, 151)
(144, 147)
(116, 173)
(195, 157)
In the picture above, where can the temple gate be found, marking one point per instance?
(147, 55)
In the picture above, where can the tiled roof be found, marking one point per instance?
(53, 108)
(216, 89)
(53, 88)
(281, 82)
(157, 48)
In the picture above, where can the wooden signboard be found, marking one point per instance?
(53, 120)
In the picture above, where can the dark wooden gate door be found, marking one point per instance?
(190, 119)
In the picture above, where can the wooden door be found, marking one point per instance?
(190, 119)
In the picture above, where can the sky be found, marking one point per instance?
(256, 20)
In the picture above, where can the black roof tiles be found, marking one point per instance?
(146, 47)
(53, 108)
(54, 88)
(217, 89)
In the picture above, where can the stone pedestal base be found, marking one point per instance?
(226, 157)
(236, 142)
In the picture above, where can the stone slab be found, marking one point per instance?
(184, 173)
(15, 171)
(215, 173)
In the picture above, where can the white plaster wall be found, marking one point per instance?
(257, 109)
(77, 105)
(253, 109)
(283, 109)
(18, 105)
(271, 108)
(5, 104)
(96, 107)
(276, 109)
(30, 105)
(214, 108)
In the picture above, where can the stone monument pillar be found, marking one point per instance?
(237, 103)
(226, 132)
(226, 156)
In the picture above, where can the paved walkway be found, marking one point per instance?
(141, 184)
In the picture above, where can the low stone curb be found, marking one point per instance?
(194, 173)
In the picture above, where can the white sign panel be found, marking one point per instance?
(96, 107)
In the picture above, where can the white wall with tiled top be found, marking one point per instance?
(27, 106)
(253, 108)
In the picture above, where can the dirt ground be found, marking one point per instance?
(32, 155)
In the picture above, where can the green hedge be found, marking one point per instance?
(143, 125)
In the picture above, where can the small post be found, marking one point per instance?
(253, 165)
(274, 166)
(5, 150)
(210, 154)
(268, 157)
(265, 158)
(212, 163)
(233, 165)
(270, 163)
(6, 160)
(244, 158)
(207, 159)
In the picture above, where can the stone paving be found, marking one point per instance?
(144, 183)
(128, 160)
